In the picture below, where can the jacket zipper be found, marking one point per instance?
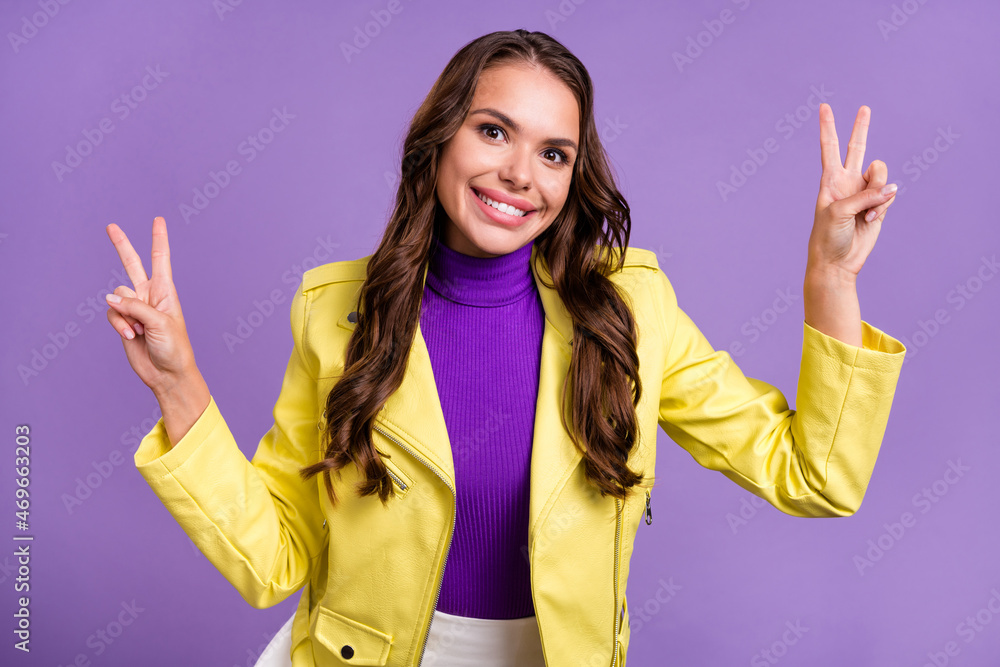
(620, 611)
(402, 484)
(437, 596)
(618, 523)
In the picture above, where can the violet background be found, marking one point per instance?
(327, 181)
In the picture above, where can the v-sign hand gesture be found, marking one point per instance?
(843, 235)
(161, 353)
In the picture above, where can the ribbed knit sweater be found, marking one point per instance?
(482, 319)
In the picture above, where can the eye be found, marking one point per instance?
(562, 156)
(488, 127)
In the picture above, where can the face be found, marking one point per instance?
(517, 146)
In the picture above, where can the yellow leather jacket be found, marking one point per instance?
(371, 576)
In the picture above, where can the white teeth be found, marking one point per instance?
(503, 208)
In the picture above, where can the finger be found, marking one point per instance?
(121, 326)
(130, 260)
(859, 136)
(136, 325)
(861, 201)
(878, 213)
(127, 327)
(161, 249)
(877, 176)
(829, 145)
(137, 309)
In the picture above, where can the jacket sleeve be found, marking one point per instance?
(813, 461)
(257, 521)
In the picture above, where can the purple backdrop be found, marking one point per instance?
(119, 112)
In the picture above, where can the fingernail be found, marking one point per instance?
(871, 215)
(889, 189)
(128, 333)
(138, 328)
(113, 298)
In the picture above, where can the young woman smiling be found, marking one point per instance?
(480, 396)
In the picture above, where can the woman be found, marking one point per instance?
(480, 396)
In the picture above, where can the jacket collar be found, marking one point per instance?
(413, 413)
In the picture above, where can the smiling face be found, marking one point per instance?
(517, 146)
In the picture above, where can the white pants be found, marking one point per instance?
(454, 641)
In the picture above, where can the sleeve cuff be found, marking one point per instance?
(879, 351)
(155, 457)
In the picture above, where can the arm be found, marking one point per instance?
(813, 461)
(257, 521)
(831, 306)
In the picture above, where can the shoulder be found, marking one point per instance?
(345, 271)
(640, 258)
(321, 310)
(653, 297)
(641, 268)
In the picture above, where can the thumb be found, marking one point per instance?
(136, 308)
(864, 200)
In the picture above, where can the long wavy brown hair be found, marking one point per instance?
(576, 248)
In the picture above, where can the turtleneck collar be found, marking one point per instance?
(480, 281)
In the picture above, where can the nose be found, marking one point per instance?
(516, 169)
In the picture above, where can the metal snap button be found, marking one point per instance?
(347, 652)
(352, 316)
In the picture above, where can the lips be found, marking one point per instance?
(504, 198)
(498, 216)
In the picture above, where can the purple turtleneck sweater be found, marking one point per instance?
(482, 319)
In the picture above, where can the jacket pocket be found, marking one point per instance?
(338, 640)
(624, 632)
(402, 481)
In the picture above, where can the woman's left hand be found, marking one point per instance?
(842, 237)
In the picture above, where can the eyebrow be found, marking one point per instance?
(504, 118)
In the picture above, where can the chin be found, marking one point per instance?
(494, 240)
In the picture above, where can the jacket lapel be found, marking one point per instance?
(414, 414)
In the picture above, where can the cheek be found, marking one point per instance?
(557, 190)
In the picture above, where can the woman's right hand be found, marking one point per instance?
(160, 352)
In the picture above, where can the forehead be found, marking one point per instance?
(533, 97)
